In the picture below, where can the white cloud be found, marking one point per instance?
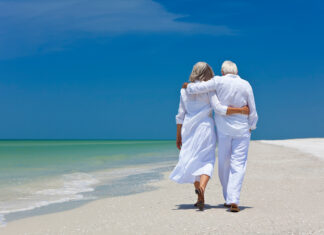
(26, 26)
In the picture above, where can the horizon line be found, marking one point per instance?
(102, 139)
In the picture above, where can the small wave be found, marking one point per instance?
(73, 186)
(64, 188)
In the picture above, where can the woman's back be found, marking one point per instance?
(197, 155)
(195, 103)
(191, 105)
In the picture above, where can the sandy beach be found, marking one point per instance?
(282, 193)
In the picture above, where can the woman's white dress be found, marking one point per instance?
(197, 154)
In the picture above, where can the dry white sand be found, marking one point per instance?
(314, 146)
(282, 193)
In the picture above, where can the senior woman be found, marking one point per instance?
(196, 137)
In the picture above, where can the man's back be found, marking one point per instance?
(232, 91)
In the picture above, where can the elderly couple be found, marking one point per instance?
(232, 100)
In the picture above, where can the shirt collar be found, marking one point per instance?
(231, 75)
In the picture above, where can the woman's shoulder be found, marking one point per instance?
(183, 91)
(185, 96)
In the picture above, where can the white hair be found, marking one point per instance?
(229, 67)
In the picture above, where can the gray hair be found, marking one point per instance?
(229, 67)
(201, 71)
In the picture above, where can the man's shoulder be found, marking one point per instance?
(218, 79)
(244, 82)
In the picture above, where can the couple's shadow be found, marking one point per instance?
(207, 207)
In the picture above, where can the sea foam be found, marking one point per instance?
(67, 187)
(73, 186)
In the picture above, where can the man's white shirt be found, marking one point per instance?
(232, 91)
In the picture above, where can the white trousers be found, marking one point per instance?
(232, 156)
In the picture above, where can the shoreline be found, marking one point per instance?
(278, 193)
(37, 174)
(143, 173)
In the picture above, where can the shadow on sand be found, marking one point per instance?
(207, 207)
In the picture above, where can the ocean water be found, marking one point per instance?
(36, 174)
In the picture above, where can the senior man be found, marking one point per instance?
(233, 131)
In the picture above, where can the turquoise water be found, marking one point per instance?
(34, 174)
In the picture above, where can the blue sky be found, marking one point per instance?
(112, 69)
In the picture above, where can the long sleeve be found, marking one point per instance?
(181, 112)
(201, 87)
(253, 116)
(216, 105)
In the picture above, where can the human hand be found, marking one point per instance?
(185, 85)
(245, 110)
(179, 142)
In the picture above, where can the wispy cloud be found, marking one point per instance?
(28, 26)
